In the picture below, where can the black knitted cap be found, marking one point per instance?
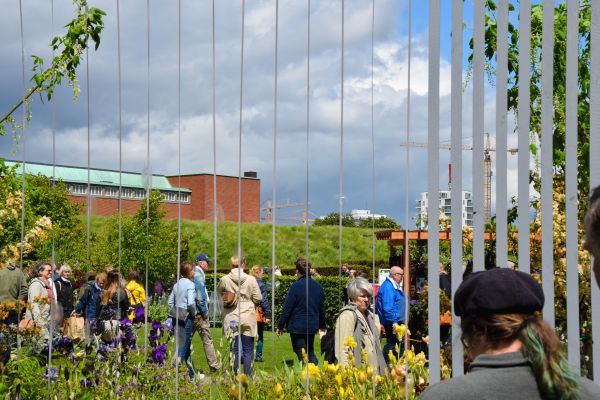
(498, 291)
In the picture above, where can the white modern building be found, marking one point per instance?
(445, 207)
(357, 215)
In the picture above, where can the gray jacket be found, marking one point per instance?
(503, 376)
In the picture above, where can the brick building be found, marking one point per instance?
(195, 191)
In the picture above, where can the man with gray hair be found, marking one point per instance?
(592, 231)
(390, 308)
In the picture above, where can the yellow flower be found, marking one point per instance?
(244, 380)
(349, 342)
(338, 379)
(279, 391)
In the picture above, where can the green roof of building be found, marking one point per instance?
(96, 176)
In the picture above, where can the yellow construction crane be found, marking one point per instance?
(487, 168)
(269, 209)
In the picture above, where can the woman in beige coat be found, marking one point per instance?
(239, 321)
(358, 322)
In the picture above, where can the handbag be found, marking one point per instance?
(26, 324)
(73, 328)
(179, 313)
(261, 318)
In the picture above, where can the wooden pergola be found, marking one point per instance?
(397, 239)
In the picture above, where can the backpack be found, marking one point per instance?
(328, 339)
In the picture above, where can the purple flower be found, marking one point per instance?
(51, 374)
(156, 325)
(158, 354)
(169, 325)
(138, 314)
(86, 383)
(125, 322)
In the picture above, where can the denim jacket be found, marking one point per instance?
(201, 295)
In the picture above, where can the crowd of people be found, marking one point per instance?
(512, 351)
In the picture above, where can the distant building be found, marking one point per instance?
(357, 215)
(445, 207)
(195, 191)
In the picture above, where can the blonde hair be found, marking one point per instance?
(255, 271)
(235, 262)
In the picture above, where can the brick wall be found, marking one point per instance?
(201, 207)
(201, 200)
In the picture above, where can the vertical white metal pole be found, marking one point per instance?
(456, 189)
(478, 119)
(433, 244)
(501, 140)
(546, 164)
(523, 128)
(573, 344)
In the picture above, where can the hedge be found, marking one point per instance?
(332, 285)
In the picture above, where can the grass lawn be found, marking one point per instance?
(277, 351)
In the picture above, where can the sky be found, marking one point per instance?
(307, 160)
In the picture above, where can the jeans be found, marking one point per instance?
(304, 341)
(184, 337)
(391, 340)
(247, 353)
(259, 342)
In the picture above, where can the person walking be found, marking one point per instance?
(182, 305)
(42, 299)
(514, 352)
(262, 311)
(64, 293)
(112, 308)
(356, 320)
(201, 323)
(390, 309)
(303, 312)
(240, 293)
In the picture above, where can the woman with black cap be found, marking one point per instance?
(514, 353)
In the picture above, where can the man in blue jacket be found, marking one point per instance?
(390, 308)
(303, 315)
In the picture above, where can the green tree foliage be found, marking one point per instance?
(145, 238)
(348, 221)
(69, 48)
(559, 84)
(43, 198)
(334, 219)
(46, 198)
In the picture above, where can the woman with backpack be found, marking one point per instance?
(357, 321)
(240, 294)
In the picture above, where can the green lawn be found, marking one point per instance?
(277, 351)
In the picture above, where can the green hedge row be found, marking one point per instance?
(332, 285)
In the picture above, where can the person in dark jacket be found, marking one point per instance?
(303, 315)
(390, 309)
(88, 306)
(64, 291)
(514, 352)
(263, 310)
